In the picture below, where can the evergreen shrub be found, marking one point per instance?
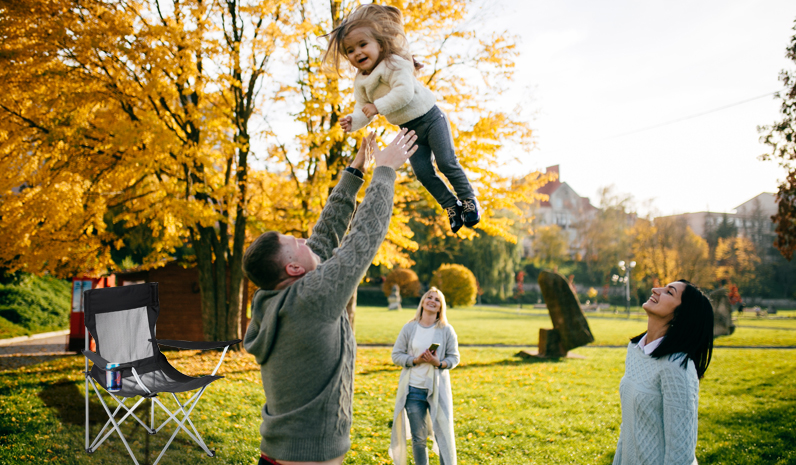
(406, 280)
(457, 283)
(36, 303)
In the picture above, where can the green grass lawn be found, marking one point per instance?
(493, 325)
(787, 323)
(507, 410)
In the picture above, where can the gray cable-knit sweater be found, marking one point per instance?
(301, 336)
(659, 410)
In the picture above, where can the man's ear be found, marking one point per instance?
(294, 269)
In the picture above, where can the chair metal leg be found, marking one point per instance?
(87, 373)
(172, 416)
(181, 424)
(116, 425)
(97, 440)
(188, 419)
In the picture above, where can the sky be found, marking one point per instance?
(596, 71)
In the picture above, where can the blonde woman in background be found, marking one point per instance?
(424, 388)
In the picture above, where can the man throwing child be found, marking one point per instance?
(299, 332)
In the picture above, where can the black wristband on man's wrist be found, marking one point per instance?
(355, 172)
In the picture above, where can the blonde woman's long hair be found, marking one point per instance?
(383, 23)
(442, 319)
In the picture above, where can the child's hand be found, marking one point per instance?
(370, 110)
(345, 123)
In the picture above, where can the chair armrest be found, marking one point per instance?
(193, 345)
(101, 363)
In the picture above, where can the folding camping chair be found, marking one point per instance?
(122, 322)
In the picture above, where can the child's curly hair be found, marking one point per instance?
(383, 23)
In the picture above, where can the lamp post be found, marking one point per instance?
(626, 267)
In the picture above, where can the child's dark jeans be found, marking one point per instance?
(434, 136)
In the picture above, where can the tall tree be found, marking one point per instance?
(781, 138)
(550, 247)
(736, 263)
(137, 112)
(606, 236)
(723, 230)
(118, 116)
(666, 249)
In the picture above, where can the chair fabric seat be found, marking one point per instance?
(164, 379)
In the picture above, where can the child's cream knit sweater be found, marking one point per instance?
(395, 91)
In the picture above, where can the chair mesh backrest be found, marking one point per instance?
(122, 321)
(125, 335)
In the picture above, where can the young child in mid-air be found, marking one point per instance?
(372, 39)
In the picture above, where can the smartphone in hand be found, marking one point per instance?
(433, 348)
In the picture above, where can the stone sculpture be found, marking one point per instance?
(394, 299)
(722, 313)
(570, 328)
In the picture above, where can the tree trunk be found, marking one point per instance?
(204, 260)
(221, 286)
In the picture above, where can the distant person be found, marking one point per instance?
(740, 308)
(299, 332)
(660, 389)
(424, 387)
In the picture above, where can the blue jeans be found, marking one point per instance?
(434, 136)
(417, 411)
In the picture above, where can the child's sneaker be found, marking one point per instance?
(471, 212)
(455, 216)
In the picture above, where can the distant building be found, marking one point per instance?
(752, 219)
(564, 208)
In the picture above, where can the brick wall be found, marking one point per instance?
(180, 301)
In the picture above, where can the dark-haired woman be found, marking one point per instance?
(660, 389)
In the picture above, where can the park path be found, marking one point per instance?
(22, 351)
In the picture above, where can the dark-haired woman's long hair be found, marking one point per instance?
(690, 331)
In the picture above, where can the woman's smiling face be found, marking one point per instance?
(664, 300)
(432, 302)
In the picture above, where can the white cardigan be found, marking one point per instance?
(395, 91)
(659, 410)
(440, 398)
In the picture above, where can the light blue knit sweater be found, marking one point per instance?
(659, 410)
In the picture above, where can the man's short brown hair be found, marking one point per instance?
(262, 261)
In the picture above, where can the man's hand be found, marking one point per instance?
(399, 150)
(345, 123)
(370, 110)
(365, 153)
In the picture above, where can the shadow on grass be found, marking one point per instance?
(67, 402)
(510, 363)
(471, 365)
(760, 436)
(22, 360)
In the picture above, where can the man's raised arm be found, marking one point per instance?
(336, 214)
(333, 282)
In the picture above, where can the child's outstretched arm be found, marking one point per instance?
(357, 119)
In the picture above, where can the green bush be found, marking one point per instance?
(457, 283)
(36, 303)
(405, 279)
